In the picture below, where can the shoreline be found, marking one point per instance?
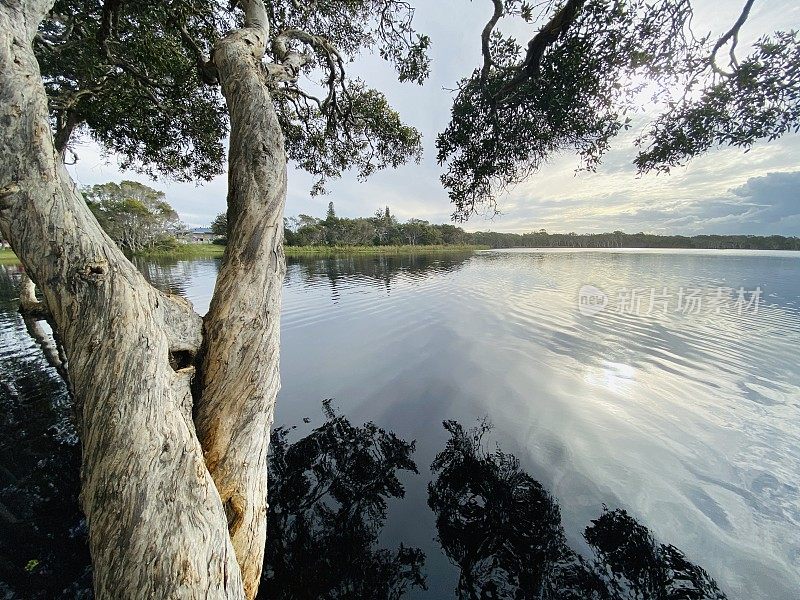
(190, 251)
(214, 250)
(406, 249)
(196, 251)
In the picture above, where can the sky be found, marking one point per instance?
(726, 191)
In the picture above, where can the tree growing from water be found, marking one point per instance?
(174, 410)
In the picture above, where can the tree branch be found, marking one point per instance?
(547, 35)
(557, 26)
(255, 15)
(28, 303)
(731, 36)
(486, 35)
(205, 67)
(66, 122)
(293, 61)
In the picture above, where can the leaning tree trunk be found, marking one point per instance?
(239, 374)
(158, 526)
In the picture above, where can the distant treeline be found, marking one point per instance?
(618, 239)
(383, 229)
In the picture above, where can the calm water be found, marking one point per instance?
(685, 416)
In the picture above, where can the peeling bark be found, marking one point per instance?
(28, 303)
(239, 377)
(174, 467)
(157, 527)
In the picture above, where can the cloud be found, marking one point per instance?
(773, 202)
(724, 191)
(767, 204)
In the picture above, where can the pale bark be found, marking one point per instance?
(239, 377)
(46, 343)
(157, 527)
(33, 313)
(28, 303)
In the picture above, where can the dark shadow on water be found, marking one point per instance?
(328, 504)
(503, 530)
(43, 548)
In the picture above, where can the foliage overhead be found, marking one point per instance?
(579, 81)
(139, 77)
(119, 71)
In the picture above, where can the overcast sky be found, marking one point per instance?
(725, 191)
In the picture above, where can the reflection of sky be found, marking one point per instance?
(684, 420)
(618, 378)
(699, 198)
(689, 422)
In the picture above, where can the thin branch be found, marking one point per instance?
(205, 67)
(547, 35)
(294, 61)
(731, 36)
(486, 35)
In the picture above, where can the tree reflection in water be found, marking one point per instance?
(328, 500)
(328, 504)
(503, 530)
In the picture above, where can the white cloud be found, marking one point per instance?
(688, 200)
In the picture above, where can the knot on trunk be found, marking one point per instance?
(181, 359)
(7, 195)
(95, 272)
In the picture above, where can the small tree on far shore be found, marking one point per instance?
(219, 226)
(136, 216)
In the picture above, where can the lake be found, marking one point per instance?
(665, 384)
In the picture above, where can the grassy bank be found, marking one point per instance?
(335, 250)
(190, 251)
(185, 251)
(7, 256)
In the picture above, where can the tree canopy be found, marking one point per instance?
(382, 229)
(134, 215)
(580, 81)
(219, 226)
(137, 77)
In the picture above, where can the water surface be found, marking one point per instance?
(686, 419)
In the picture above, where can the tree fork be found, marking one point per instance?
(157, 527)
